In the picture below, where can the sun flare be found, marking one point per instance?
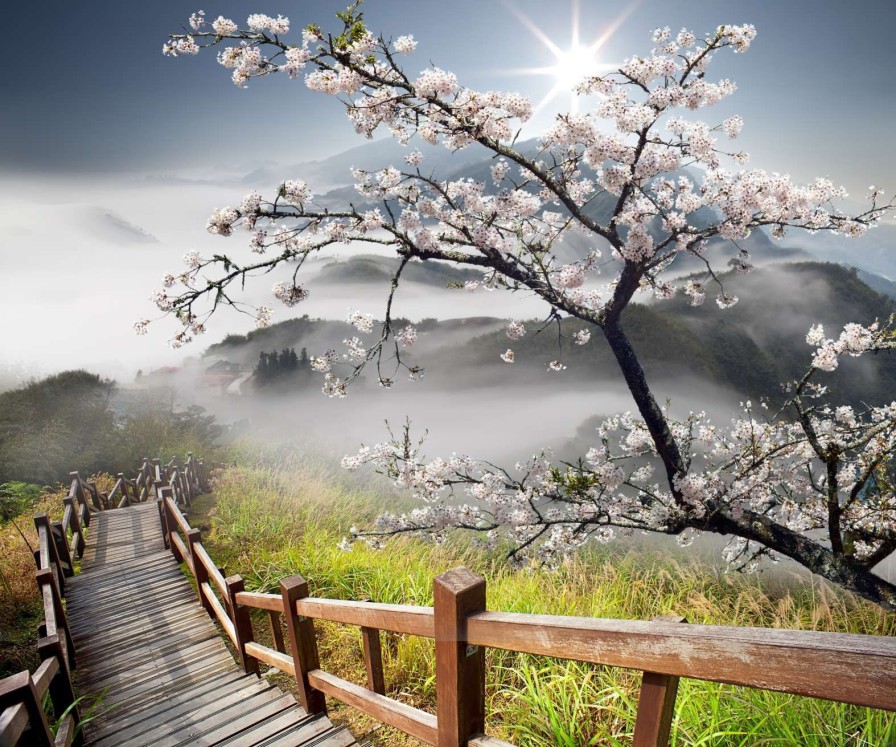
(574, 63)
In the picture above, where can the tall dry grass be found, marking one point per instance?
(20, 606)
(267, 523)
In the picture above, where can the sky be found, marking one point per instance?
(97, 128)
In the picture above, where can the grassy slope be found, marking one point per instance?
(270, 523)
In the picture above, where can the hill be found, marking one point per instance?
(750, 349)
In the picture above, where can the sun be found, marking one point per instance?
(574, 63)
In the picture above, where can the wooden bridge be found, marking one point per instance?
(135, 630)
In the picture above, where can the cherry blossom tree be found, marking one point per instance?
(813, 481)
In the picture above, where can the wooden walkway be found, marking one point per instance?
(142, 637)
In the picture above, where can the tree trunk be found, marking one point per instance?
(650, 411)
(808, 553)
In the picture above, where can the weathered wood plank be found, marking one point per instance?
(140, 632)
(783, 660)
(411, 720)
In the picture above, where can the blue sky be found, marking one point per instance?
(92, 92)
(91, 108)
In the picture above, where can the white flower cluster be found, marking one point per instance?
(361, 322)
(260, 23)
(516, 330)
(405, 44)
(295, 191)
(289, 294)
(407, 336)
(854, 340)
(324, 363)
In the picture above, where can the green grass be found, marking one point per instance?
(267, 523)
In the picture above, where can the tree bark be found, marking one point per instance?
(807, 552)
(656, 422)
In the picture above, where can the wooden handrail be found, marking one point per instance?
(179, 518)
(213, 573)
(410, 720)
(783, 660)
(220, 612)
(849, 668)
(277, 659)
(20, 707)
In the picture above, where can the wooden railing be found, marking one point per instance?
(850, 668)
(856, 669)
(22, 717)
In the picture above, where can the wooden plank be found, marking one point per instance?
(460, 667)
(186, 714)
(179, 518)
(218, 727)
(858, 669)
(305, 734)
(656, 704)
(281, 661)
(303, 643)
(160, 587)
(165, 682)
(124, 653)
(410, 720)
(184, 700)
(188, 657)
(43, 674)
(220, 612)
(200, 552)
(315, 730)
(65, 734)
(373, 660)
(397, 618)
(13, 721)
(285, 722)
(163, 686)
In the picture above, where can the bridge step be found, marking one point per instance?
(143, 640)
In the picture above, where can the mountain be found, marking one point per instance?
(369, 268)
(875, 253)
(749, 349)
(330, 174)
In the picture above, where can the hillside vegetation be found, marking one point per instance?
(750, 349)
(78, 420)
(267, 523)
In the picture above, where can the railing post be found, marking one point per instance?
(200, 572)
(242, 623)
(656, 703)
(76, 524)
(20, 689)
(98, 498)
(82, 499)
(42, 521)
(157, 473)
(302, 642)
(168, 508)
(276, 631)
(61, 692)
(160, 505)
(460, 668)
(203, 476)
(125, 495)
(373, 660)
(63, 554)
(45, 577)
